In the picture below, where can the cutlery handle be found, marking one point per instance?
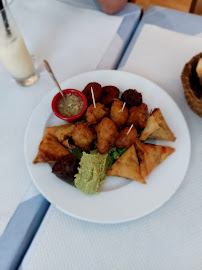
(47, 66)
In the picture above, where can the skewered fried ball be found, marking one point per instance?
(126, 138)
(97, 91)
(95, 114)
(118, 114)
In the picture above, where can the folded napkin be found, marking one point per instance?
(169, 238)
(73, 40)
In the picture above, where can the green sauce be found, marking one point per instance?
(91, 172)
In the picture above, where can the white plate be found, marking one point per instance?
(120, 199)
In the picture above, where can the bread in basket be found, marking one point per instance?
(191, 85)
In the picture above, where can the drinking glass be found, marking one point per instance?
(13, 51)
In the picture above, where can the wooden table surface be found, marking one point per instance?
(183, 5)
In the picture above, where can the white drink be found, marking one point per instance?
(13, 52)
(16, 58)
(8, 1)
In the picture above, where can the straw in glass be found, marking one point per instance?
(5, 19)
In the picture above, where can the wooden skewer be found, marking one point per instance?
(93, 97)
(130, 129)
(124, 104)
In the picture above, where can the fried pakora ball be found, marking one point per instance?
(132, 98)
(83, 135)
(97, 91)
(95, 114)
(137, 116)
(126, 137)
(118, 115)
(108, 94)
(106, 135)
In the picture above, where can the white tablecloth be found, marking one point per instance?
(73, 40)
(169, 238)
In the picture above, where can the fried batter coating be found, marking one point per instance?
(97, 91)
(108, 94)
(126, 139)
(95, 115)
(118, 115)
(137, 116)
(83, 135)
(106, 135)
(132, 98)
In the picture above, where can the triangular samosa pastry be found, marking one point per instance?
(50, 150)
(127, 166)
(163, 132)
(151, 126)
(151, 155)
(141, 156)
(61, 133)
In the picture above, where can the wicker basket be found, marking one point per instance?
(191, 84)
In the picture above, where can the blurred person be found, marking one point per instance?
(111, 6)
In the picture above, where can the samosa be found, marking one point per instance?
(127, 166)
(151, 155)
(157, 128)
(50, 150)
(62, 133)
(151, 126)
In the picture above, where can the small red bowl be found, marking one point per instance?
(66, 92)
